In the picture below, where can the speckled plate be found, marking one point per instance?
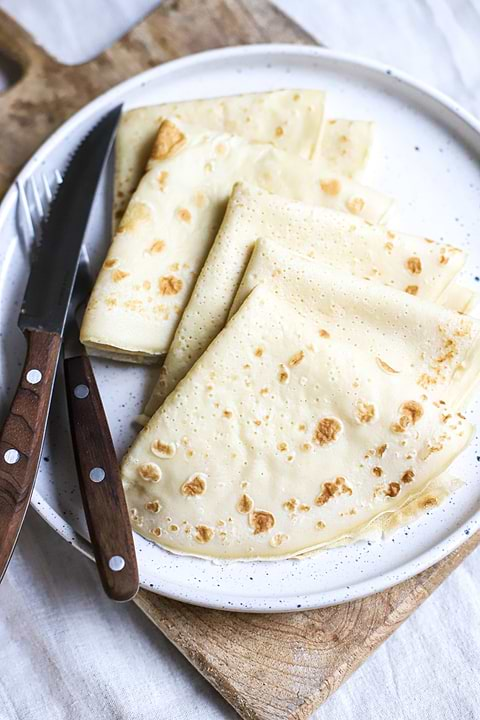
(430, 153)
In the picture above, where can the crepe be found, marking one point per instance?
(290, 119)
(172, 220)
(438, 347)
(347, 146)
(403, 261)
(283, 438)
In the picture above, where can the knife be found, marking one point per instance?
(42, 320)
(103, 498)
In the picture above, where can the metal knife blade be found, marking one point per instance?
(55, 259)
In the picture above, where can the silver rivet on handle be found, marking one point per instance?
(11, 456)
(81, 392)
(97, 474)
(34, 376)
(116, 563)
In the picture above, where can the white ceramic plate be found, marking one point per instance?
(430, 155)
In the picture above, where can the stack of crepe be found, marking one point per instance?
(317, 361)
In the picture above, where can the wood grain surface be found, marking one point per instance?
(267, 666)
(23, 433)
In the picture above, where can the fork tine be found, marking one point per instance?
(36, 196)
(26, 209)
(58, 177)
(46, 187)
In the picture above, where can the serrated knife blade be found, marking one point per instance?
(42, 319)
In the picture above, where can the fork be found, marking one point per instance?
(97, 468)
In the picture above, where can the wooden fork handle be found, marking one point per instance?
(21, 438)
(101, 487)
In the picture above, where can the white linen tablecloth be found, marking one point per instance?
(68, 653)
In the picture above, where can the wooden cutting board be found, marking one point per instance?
(269, 667)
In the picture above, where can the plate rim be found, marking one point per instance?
(101, 104)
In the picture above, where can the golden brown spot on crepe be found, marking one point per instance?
(162, 180)
(304, 508)
(199, 200)
(257, 422)
(391, 234)
(147, 285)
(184, 215)
(175, 267)
(412, 410)
(428, 502)
(279, 131)
(296, 97)
(110, 262)
(427, 240)
(392, 489)
(264, 391)
(306, 447)
(414, 265)
(388, 246)
(221, 149)
(320, 525)
(203, 533)
(355, 205)
(244, 504)
(195, 485)
(261, 521)
(411, 289)
(407, 476)
(283, 375)
(290, 505)
(380, 450)
(324, 333)
(327, 431)
(302, 427)
(227, 413)
(446, 417)
(331, 187)
(278, 539)
(258, 352)
(163, 450)
(443, 259)
(156, 531)
(377, 471)
(150, 472)
(330, 489)
(296, 359)
(110, 301)
(208, 167)
(282, 446)
(386, 367)
(136, 213)
(118, 275)
(157, 247)
(365, 412)
(425, 380)
(173, 528)
(153, 506)
(170, 285)
(169, 141)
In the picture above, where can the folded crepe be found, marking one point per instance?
(292, 120)
(172, 220)
(417, 265)
(288, 435)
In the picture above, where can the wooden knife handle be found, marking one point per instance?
(21, 438)
(99, 475)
